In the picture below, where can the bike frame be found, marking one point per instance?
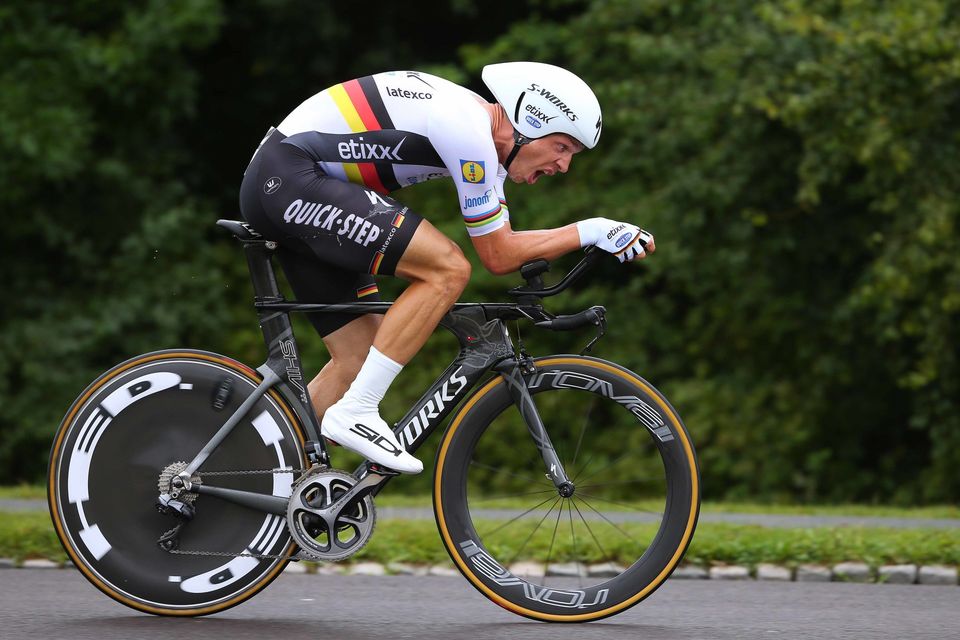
(485, 345)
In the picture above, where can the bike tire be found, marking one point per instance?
(122, 431)
(638, 440)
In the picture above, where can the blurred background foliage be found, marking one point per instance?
(798, 161)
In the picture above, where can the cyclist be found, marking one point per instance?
(318, 185)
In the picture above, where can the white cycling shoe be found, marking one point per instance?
(365, 432)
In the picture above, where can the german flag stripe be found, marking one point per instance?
(359, 102)
(372, 94)
(398, 220)
(370, 177)
(347, 110)
(375, 263)
(367, 290)
(352, 102)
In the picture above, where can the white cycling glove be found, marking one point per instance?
(622, 239)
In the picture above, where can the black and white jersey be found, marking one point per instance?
(391, 130)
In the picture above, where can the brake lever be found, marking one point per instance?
(601, 331)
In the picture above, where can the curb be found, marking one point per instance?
(941, 575)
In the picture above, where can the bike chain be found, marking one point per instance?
(225, 554)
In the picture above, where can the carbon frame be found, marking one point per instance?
(479, 328)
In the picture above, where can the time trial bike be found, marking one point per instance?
(181, 482)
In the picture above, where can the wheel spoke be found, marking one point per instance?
(618, 459)
(514, 519)
(619, 504)
(583, 430)
(603, 551)
(529, 537)
(546, 567)
(573, 535)
(500, 471)
(620, 482)
(610, 522)
(511, 495)
(576, 475)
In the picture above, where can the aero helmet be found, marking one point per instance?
(541, 99)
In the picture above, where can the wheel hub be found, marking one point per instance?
(172, 484)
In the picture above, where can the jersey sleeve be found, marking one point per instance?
(460, 132)
(504, 211)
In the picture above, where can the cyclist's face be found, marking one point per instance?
(545, 156)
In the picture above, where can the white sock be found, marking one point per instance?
(371, 384)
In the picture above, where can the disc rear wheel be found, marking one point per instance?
(130, 431)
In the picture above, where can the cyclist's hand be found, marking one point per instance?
(622, 239)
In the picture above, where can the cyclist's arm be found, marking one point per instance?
(505, 250)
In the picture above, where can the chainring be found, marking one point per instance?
(336, 537)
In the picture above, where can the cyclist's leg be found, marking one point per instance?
(347, 336)
(348, 347)
(438, 272)
(354, 230)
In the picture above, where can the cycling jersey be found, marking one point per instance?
(318, 182)
(391, 130)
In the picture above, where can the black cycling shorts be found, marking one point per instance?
(333, 236)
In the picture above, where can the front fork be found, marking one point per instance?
(513, 371)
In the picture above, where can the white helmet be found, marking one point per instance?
(541, 99)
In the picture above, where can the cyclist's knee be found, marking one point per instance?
(451, 271)
(436, 260)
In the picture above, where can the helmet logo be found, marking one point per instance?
(533, 122)
(599, 124)
(538, 114)
(549, 96)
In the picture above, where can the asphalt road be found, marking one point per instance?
(61, 604)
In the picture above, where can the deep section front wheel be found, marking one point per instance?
(579, 557)
(147, 415)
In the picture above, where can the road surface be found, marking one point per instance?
(60, 604)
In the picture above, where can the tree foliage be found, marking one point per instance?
(797, 161)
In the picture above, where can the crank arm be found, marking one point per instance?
(358, 492)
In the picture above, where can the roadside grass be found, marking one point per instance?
(31, 535)
(24, 492)
(25, 535)
(419, 542)
(399, 500)
(387, 499)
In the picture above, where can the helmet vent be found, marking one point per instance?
(516, 113)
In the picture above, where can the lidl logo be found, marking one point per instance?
(472, 171)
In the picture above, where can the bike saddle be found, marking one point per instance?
(240, 230)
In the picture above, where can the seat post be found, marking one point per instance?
(283, 357)
(262, 275)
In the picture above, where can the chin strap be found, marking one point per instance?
(518, 141)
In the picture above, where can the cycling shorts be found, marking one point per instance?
(333, 236)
